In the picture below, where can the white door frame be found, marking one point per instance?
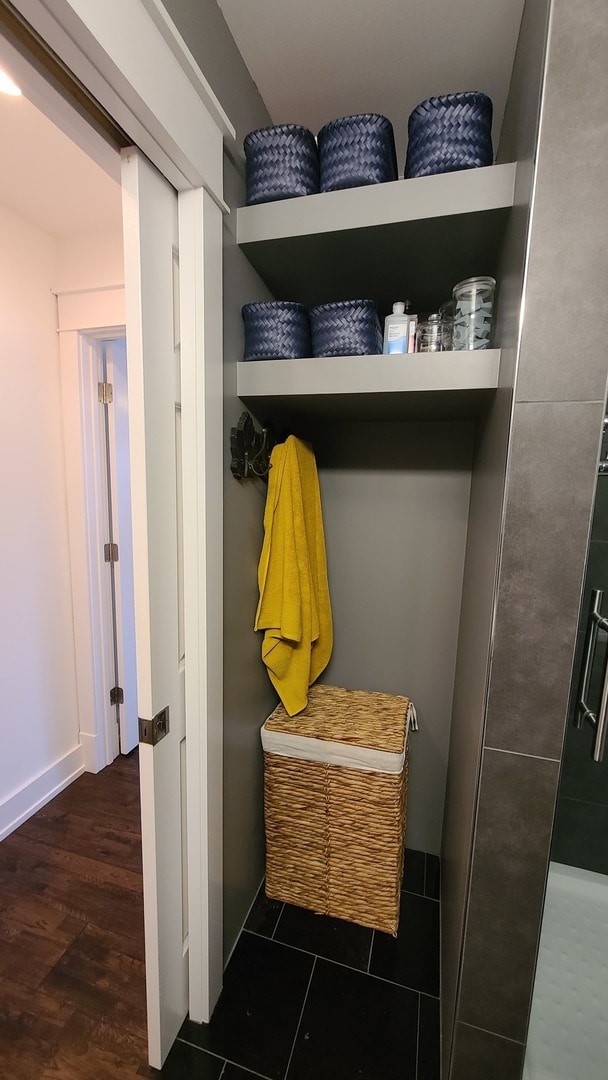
(136, 65)
(91, 599)
(80, 338)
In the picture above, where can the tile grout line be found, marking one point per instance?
(276, 925)
(245, 1069)
(220, 1057)
(519, 753)
(423, 895)
(360, 971)
(314, 964)
(496, 1034)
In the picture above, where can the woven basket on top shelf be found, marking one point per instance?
(335, 833)
(356, 150)
(449, 133)
(282, 162)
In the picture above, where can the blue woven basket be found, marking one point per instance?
(357, 150)
(449, 133)
(281, 162)
(276, 330)
(346, 328)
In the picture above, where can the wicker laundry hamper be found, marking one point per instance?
(335, 785)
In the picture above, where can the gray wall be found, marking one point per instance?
(485, 522)
(204, 29)
(248, 696)
(559, 404)
(395, 508)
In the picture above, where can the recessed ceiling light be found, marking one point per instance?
(7, 86)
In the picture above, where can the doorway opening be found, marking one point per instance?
(70, 860)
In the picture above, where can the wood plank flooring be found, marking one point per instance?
(72, 981)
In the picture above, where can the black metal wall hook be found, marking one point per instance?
(250, 448)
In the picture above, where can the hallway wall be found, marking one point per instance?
(40, 731)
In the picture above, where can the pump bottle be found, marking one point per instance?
(397, 329)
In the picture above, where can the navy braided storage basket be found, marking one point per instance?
(276, 330)
(281, 162)
(357, 150)
(449, 133)
(346, 328)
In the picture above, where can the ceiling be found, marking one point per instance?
(48, 180)
(315, 60)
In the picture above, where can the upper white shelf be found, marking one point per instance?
(372, 387)
(409, 238)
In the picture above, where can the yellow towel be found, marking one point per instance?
(294, 608)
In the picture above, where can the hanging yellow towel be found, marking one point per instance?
(294, 608)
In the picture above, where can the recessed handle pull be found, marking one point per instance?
(601, 723)
(598, 722)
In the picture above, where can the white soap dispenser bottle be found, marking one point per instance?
(396, 329)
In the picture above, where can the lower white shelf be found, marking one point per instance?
(449, 383)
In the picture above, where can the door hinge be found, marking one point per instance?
(105, 393)
(152, 731)
(110, 552)
(117, 696)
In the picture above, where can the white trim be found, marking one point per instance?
(118, 421)
(93, 750)
(118, 52)
(200, 245)
(91, 599)
(92, 309)
(21, 804)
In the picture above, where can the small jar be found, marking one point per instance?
(433, 335)
(446, 313)
(473, 301)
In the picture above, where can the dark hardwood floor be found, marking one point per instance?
(72, 983)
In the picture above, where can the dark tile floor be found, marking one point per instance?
(306, 996)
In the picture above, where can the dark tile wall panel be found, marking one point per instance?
(517, 143)
(513, 836)
(554, 452)
(479, 1055)
(560, 394)
(564, 359)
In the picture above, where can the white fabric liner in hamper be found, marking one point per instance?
(286, 744)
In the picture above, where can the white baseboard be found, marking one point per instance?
(20, 806)
(93, 751)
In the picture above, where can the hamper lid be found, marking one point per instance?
(363, 718)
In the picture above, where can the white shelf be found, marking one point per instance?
(425, 385)
(411, 238)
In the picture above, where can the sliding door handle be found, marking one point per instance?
(598, 722)
(599, 744)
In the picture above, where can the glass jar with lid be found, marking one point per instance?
(433, 335)
(473, 302)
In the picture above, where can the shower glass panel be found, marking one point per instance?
(568, 1035)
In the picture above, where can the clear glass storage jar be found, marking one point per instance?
(473, 301)
(433, 335)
